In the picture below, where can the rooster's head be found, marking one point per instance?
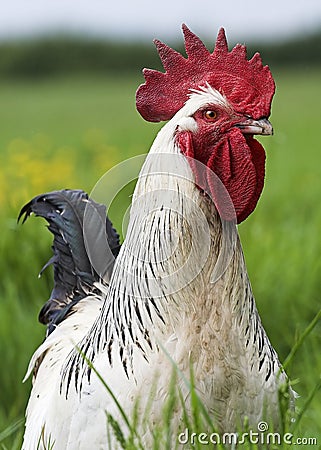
(219, 100)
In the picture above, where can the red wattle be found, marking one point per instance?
(238, 162)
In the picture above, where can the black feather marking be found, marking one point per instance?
(261, 341)
(139, 315)
(148, 310)
(109, 351)
(252, 305)
(147, 339)
(70, 372)
(125, 366)
(152, 269)
(261, 362)
(74, 274)
(269, 372)
(76, 374)
(137, 343)
(130, 330)
(157, 310)
(122, 331)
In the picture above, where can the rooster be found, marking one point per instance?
(176, 295)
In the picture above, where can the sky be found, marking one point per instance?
(145, 20)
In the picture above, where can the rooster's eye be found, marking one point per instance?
(210, 115)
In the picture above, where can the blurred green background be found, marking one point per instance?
(67, 115)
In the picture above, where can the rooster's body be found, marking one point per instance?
(178, 295)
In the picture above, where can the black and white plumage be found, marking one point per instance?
(178, 291)
(74, 275)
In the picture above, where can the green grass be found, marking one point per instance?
(67, 132)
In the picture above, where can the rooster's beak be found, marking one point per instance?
(251, 126)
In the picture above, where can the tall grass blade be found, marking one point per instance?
(301, 339)
(117, 431)
(11, 429)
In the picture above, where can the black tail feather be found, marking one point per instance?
(74, 272)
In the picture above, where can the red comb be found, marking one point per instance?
(247, 84)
